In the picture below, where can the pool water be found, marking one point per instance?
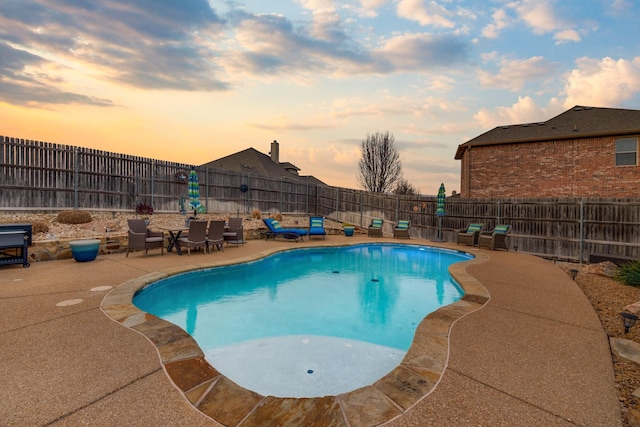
(292, 321)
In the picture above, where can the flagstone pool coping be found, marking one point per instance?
(222, 400)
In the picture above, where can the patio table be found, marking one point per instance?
(174, 235)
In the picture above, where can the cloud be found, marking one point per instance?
(567, 35)
(23, 83)
(524, 111)
(514, 74)
(425, 12)
(145, 44)
(619, 8)
(605, 82)
(541, 16)
(500, 22)
(412, 52)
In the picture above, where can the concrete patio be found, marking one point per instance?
(533, 354)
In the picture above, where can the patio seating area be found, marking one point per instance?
(534, 353)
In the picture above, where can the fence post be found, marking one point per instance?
(153, 182)
(499, 212)
(361, 207)
(76, 177)
(581, 229)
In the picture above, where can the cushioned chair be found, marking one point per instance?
(401, 230)
(234, 234)
(375, 228)
(469, 235)
(215, 235)
(274, 229)
(141, 238)
(496, 239)
(316, 227)
(197, 237)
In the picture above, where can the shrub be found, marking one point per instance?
(39, 227)
(144, 209)
(629, 273)
(74, 217)
(255, 214)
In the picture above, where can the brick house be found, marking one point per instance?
(583, 152)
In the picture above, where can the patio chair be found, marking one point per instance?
(495, 239)
(469, 235)
(375, 228)
(274, 229)
(401, 230)
(141, 238)
(234, 233)
(197, 237)
(215, 235)
(316, 227)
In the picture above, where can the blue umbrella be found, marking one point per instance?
(194, 193)
(442, 197)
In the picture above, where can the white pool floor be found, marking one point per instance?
(304, 365)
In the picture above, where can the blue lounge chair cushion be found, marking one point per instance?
(474, 227)
(276, 228)
(501, 229)
(316, 226)
(403, 224)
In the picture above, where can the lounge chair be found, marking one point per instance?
(215, 235)
(274, 229)
(197, 237)
(469, 235)
(401, 230)
(375, 228)
(234, 234)
(495, 239)
(141, 238)
(316, 227)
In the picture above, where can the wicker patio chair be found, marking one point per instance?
(215, 235)
(375, 228)
(469, 235)
(495, 239)
(197, 237)
(141, 238)
(235, 232)
(401, 230)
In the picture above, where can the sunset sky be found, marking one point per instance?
(194, 80)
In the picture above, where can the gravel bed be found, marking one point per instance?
(608, 297)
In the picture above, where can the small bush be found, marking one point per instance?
(39, 227)
(255, 214)
(629, 273)
(74, 217)
(144, 209)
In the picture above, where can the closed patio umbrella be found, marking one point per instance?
(194, 193)
(440, 212)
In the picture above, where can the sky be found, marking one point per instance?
(191, 81)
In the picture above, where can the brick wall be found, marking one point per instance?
(567, 168)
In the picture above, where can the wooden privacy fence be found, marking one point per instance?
(41, 176)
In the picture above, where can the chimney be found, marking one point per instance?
(275, 151)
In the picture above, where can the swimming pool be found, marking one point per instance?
(308, 322)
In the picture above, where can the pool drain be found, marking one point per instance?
(374, 280)
(310, 371)
(335, 272)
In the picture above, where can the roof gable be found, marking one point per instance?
(251, 161)
(577, 122)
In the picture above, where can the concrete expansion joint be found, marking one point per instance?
(513, 396)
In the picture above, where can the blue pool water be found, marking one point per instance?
(362, 300)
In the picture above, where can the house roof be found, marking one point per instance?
(253, 162)
(577, 122)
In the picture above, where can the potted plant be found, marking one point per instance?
(348, 229)
(145, 210)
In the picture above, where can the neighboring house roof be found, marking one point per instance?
(578, 122)
(253, 162)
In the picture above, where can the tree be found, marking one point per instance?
(404, 187)
(379, 167)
